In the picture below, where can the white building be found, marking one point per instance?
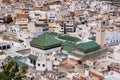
(44, 63)
(49, 63)
(112, 37)
(4, 45)
(2, 28)
(112, 75)
(37, 15)
(117, 52)
(52, 16)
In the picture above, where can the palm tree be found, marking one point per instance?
(10, 71)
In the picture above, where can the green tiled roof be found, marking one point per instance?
(54, 34)
(87, 46)
(61, 54)
(97, 52)
(8, 58)
(45, 40)
(68, 46)
(20, 64)
(32, 57)
(93, 38)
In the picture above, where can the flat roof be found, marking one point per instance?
(3, 43)
(24, 51)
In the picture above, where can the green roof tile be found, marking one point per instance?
(32, 57)
(54, 34)
(97, 52)
(87, 46)
(45, 40)
(68, 46)
(20, 64)
(61, 54)
(8, 58)
(69, 38)
(93, 38)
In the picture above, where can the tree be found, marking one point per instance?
(10, 71)
(9, 20)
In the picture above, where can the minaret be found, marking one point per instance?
(100, 35)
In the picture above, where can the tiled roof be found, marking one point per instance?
(54, 34)
(20, 64)
(97, 52)
(69, 38)
(93, 38)
(61, 54)
(8, 58)
(68, 46)
(33, 57)
(87, 46)
(45, 40)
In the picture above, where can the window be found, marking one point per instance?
(4, 47)
(47, 59)
(55, 58)
(8, 46)
(34, 62)
(31, 61)
(37, 15)
(38, 64)
(43, 65)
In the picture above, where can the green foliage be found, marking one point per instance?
(9, 20)
(20, 40)
(32, 78)
(10, 71)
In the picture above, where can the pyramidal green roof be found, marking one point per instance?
(45, 40)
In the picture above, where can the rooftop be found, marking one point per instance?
(69, 38)
(68, 46)
(44, 40)
(97, 52)
(23, 52)
(54, 34)
(20, 64)
(93, 38)
(33, 57)
(87, 46)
